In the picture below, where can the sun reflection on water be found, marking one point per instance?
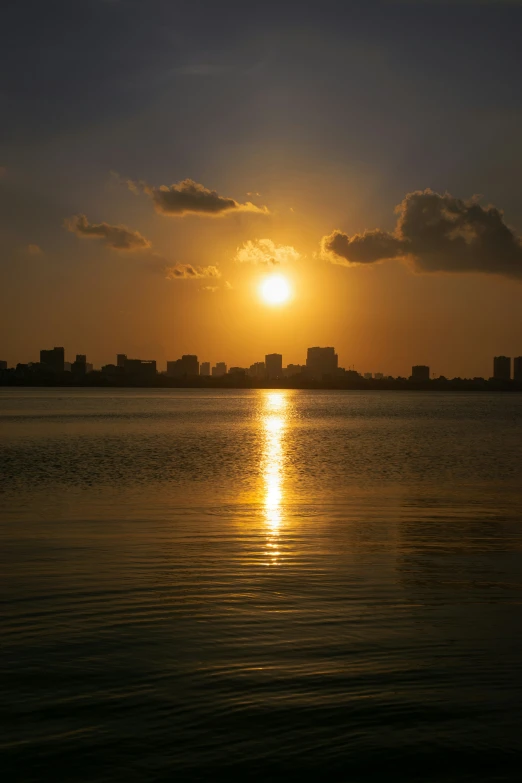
(274, 421)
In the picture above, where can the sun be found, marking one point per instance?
(275, 290)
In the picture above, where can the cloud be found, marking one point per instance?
(34, 250)
(265, 252)
(189, 272)
(436, 233)
(211, 288)
(190, 198)
(115, 237)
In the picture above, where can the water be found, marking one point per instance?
(260, 585)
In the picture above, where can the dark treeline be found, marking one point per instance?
(97, 379)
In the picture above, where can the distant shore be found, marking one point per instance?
(97, 380)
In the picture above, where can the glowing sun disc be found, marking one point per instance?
(275, 290)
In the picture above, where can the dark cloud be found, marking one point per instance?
(115, 237)
(437, 233)
(189, 272)
(191, 198)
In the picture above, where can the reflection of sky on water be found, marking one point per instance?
(274, 421)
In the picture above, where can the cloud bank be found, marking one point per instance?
(436, 233)
(115, 237)
(190, 198)
(265, 252)
(189, 272)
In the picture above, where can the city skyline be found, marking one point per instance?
(321, 363)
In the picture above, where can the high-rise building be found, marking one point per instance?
(204, 369)
(502, 368)
(120, 359)
(53, 359)
(3, 365)
(219, 370)
(257, 370)
(321, 362)
(274, 366)
(187, 366)
(517, 368)
(420, 372)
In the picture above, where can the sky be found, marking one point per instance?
(159, 160)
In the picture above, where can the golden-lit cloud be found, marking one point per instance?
(191, 198)
(115, 237)
(266, 253)
(437, 233)
(189, 272)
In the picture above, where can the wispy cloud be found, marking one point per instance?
(189, 272)
(265, 252)
(191, 198)
(115, 237)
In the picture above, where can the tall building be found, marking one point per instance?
(53, 359)
(120, 359)
(219, 370)
(517, 368)
(321, 362)
(187, 366)
(502, 368)
(204, 369)
(420, 372)
(3, 365)
(274, 366)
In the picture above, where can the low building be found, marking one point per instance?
(186, 367)
(219, 370)
(291, 370)
(257, 370)
(517, 368)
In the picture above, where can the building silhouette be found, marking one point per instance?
(321, 362)
(502, 368)
(204, 369)
(79, 366)
(274, 366)
(53, 359)
(420, 372)
(139, 368)
(219, 370)
(291, 370)
(257, 370)
(517, 368)
(3, 365)
(120, 359)
(186, 367)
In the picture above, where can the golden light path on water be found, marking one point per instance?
(274, 420)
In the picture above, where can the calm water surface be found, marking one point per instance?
(260, 585)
